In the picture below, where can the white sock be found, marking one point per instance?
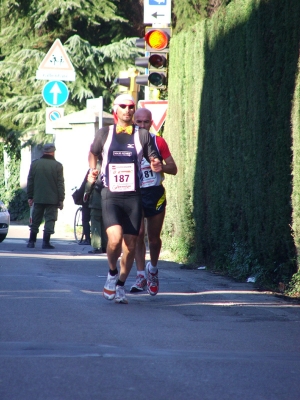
(152, 269)
(141, 273)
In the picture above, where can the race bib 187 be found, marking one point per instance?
(121, 177)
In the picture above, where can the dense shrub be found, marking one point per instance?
(231, 85)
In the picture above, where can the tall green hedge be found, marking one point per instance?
(296, 163)
(231, 86)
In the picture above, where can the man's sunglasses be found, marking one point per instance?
(131, 106)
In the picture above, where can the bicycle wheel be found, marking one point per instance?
(78, 228)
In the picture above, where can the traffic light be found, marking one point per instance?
(127, 82)
(156, 44)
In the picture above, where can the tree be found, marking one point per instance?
(93, 34)
(99, 40)
(189, 12)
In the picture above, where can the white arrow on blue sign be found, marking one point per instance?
(55, 93)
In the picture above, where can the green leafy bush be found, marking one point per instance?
(231, 83)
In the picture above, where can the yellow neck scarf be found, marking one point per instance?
(125, 129)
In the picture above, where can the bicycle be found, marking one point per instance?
(78, 228)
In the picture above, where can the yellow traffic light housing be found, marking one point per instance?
(127, 83)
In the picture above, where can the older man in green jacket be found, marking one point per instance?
(46, 193)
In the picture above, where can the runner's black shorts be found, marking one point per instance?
(154, 200)
(122, 208)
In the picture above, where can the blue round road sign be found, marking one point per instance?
(55, 93)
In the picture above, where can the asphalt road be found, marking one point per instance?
(202, 337)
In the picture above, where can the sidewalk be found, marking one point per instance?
(22, 231)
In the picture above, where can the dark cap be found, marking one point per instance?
(49, 148)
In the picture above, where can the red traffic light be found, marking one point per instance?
(157, 39)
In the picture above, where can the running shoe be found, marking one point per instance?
(109, 290)
(139, 285)
(152, 281)
(120, 295)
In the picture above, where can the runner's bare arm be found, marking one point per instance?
(92, 160)
(169, 166)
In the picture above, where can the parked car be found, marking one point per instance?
(4, 221)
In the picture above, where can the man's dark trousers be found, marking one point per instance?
(47, 211)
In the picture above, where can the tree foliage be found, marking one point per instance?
(188, 12)
(97, 36)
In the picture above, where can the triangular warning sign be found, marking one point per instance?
(56, 65)
(56, 58)
(158, 109)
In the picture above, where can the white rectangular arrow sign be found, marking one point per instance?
(157, 11)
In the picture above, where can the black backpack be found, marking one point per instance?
(79, 193)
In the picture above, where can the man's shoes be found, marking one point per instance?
(152, 281)
(139, 285)
(46, 241)
(109, 290)
(32, 240)
(85, 242)
(95, 251)
(120, 295)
